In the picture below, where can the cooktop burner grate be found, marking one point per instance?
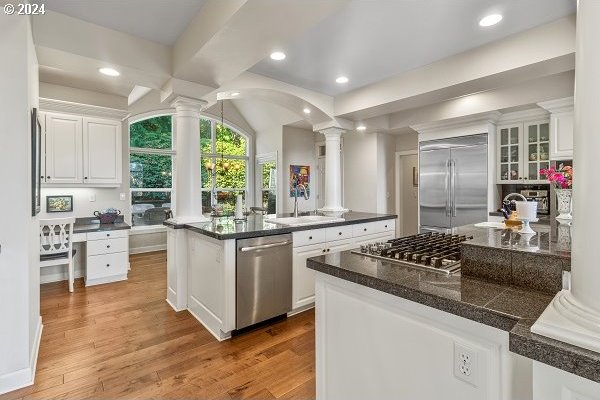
(439, 252)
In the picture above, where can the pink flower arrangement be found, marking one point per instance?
(563, 178)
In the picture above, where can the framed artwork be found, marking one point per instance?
(56, 204)
(36, 164)
(299, 175)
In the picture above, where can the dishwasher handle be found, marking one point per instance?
(264, 246)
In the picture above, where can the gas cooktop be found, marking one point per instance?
(439, 252)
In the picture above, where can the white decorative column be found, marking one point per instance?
(574, 316)
(333, 172)
(188, 185)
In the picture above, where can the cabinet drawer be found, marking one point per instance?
(367, 228)
(385, 226)
(123, 233)
(304, 238)
(105, 246)
(338, 233)
(101, 266)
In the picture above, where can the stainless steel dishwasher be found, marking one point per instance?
(264, 278)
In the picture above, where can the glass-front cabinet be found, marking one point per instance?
(523, 149)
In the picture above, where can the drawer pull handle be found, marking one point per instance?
(365, 229)
(340, 233)
(324, 250)
(108, 234)
(108, 246)
(386, 226)
(328, 250)
(108, 265)
(310, 238)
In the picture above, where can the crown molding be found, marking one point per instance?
(559, 105)
(81, 109)
(525, 115)
(334, 125)
(470, 120)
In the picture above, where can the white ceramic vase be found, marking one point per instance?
(564, 204)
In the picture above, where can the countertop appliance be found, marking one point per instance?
(541, 197)
(433, 251)
(453, 182)
(263, 279)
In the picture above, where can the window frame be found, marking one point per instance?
(214, 155)
(149, 151)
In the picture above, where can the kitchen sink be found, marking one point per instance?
(304, 220)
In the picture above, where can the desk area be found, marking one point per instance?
(104, 250)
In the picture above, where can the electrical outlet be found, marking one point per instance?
(92, 197)
(465, 364)
(122, 196)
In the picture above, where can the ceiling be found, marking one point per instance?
(160, 21)
(368, 40)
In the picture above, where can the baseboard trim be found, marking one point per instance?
(147, 249)
(107, 279)
(26, 376)
(59, 276)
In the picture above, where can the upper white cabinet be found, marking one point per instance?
(81, 150)
(64, 149)
(523, 148)
(102, 151)
(561, 127)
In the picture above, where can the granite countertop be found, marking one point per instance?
(549, 240)
(223, 228)
(503, 306)
(92, 224)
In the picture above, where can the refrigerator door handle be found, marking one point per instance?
(447, 187)
(453, 185)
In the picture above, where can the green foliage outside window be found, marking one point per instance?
(151, 133)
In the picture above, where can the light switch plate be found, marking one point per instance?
(93, 197)
(122, 197)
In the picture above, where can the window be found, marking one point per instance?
(268, 171)
(224, 166)
(151, 169)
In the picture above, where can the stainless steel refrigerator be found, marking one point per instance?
(453, 182)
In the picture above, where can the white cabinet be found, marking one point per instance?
(81, 150)
(328, 242)
(107, 257)
(101, 151)
(523, 149)
(64, 149)
(561, 127)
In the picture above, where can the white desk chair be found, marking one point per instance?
(55, 244)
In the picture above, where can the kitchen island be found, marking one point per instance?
(202, 260)
(388, 331)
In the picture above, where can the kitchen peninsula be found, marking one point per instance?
(204, 262)
(385, 329)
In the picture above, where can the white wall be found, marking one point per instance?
(298, 149)
(65, 93)
(19, 274)
(407, 141)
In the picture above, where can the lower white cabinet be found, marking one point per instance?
(107, 257)
(328, 241)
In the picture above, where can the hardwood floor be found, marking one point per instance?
(124, 340)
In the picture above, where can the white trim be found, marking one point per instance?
(60, 276)
(523, 116)
(106, 279)
(26, 376)
(146, 229)
(398, 182)
(79, 109)
(476, 119)
(148, 249)
(559, 105)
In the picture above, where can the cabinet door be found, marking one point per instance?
(102, 151)
(561, 136)
(509, 154)
(536, 150)
(64, 157)
(303, 288)
(42, 119)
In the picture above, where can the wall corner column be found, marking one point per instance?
(574, 315)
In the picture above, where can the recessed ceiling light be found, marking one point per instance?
(109, 71)
(490, 20)
(277, 55)
(341, 79)
(233, 94)
(361, 128)
(306, 111)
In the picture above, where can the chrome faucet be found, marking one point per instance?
(306, 197)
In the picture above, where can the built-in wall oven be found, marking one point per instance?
(264, 279)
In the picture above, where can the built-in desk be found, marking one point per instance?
(105, 248)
